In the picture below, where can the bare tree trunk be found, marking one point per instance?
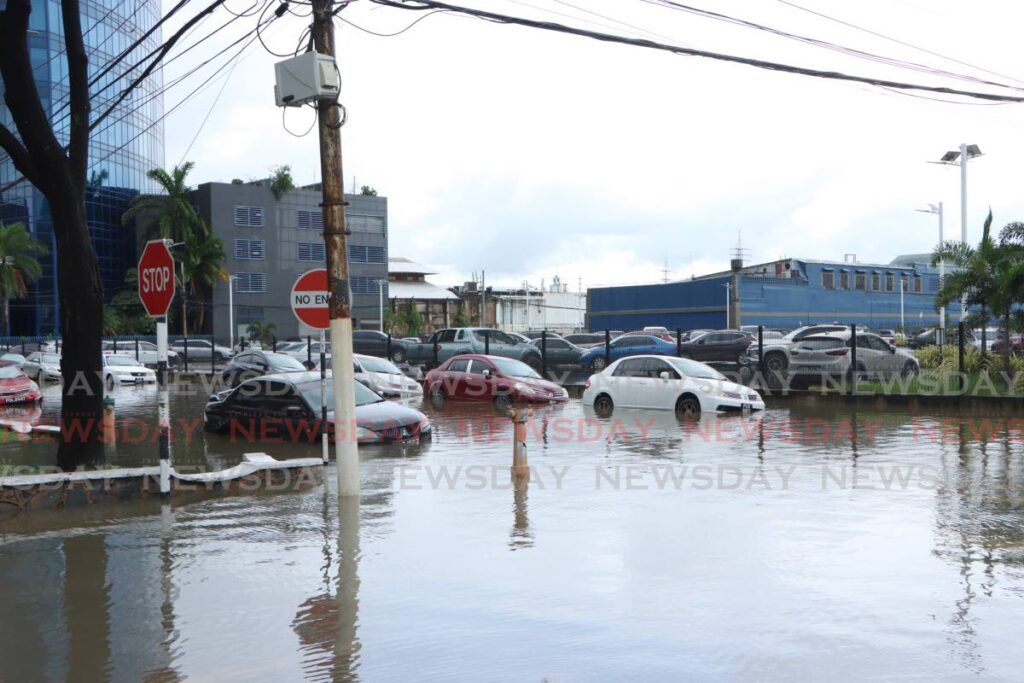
(1006, 350)
(81, 322)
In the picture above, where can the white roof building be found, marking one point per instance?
(407, 280)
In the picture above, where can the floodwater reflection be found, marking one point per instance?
(770, 546)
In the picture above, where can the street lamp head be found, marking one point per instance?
(950, 157)
(973, 151)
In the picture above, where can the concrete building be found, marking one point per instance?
(122, 149)
(270, 242)
(550, 307)
(784, 293)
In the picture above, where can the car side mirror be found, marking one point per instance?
(665, 374)
(486, 372)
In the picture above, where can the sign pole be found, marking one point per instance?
(164, 412)
(323, 397)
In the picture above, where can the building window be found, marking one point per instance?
(890, 282)
(844, 279)
(917, 284)
(310, 251)
(354, 221)
(860, 280)
(876, 282)
(250, 282)
(250, 249)
(249, 216)
(360, 254)
(310, 220)
(904, 282)
(828, 279)
(361, 284)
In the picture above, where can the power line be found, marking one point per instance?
(718, 56)
(853, 52)
(898, 41)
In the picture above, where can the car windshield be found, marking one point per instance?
(311, 392)
(13, 357)
(121, 360)
(371, 364)
(284, 362)
(692, 368)
(51, 358)
(514, 368)
(292, 346)
(9, 371)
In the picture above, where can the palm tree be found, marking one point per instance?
(18, 265)
(174, 215)
(974, 278)
(203, 262)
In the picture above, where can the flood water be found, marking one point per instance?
(782, 546)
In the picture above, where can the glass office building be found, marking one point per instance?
(123, 148)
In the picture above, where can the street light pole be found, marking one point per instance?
(231, 311)
(728, 302)
(380, 289)
(960, 158)
(937, 209)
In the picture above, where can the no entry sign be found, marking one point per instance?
(156, 278)
(310, 297)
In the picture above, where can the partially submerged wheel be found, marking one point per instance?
(603, 405)
(688, 406)
(910, 369)
(503, 402)
(437, 397)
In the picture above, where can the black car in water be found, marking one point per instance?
(249, 364)
(560, 352)
(717, 346)
(375, 343)
(287, 407)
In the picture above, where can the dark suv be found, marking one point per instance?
(375, 343)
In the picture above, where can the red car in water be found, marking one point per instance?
(15, 385)
(503, 381)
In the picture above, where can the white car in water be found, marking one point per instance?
(666, 383)
(118, 369)
(384, 377)
(42, 366)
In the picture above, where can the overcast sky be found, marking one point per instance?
(529, 154)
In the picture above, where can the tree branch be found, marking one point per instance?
(78, 80)
(22, 97)
(19, 155)
(156, 60)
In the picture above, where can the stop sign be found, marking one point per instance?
(156, 278)
(310, 297)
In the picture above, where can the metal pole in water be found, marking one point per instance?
(520, 462)
(325, 451)
(163, 408)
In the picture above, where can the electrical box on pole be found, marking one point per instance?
(306, 78)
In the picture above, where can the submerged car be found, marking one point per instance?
(249, 364)
(287, 407)
(686, 386)
(118, 369)
(830, 356)
(16, 386)
(626, 345)
(384, 377)
(503, 381)
(42, 366)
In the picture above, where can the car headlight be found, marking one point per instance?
(424, 423)
(363, 434)
(712, 390)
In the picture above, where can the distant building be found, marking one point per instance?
(784, 293)
(269, 243)
(408, 288)
(552, 307)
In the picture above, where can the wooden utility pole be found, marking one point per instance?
(336, 238)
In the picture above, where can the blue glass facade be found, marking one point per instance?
(122, 149)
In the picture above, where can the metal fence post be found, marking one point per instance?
(184, 347)
(137, 350)
(544, 353)
(960, 351)
(760, 350)
(487, 342)
(853, 358)
(309, 351)
(273, 343)
(387, 347)
(607, 347)
(679, 342)
(23, 346)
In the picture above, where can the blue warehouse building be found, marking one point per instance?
(785, 294)
(122, 149)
